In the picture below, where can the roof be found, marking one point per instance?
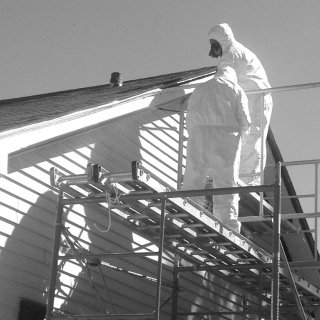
(20, 112)
(37, 119)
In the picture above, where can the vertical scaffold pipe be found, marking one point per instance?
(175, 287)
(54, 256)
(260, 294)
(316, 191)
(276, 244)
(262, 153)
(159, 275)
(180, 150)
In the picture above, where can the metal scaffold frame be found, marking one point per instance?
(103, 181)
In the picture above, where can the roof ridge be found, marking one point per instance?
(48, 94)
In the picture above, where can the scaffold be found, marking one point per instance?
(177, 224)
(198, 240)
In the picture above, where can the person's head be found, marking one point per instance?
(220, 37)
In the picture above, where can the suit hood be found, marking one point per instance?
(223, 34)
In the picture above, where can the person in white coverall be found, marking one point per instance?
(251, 76)
(217, 120)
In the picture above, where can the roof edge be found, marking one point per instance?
(165, 85)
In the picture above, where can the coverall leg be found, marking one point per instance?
(215, 151)
(252, 155)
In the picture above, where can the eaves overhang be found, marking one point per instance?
(31, 136)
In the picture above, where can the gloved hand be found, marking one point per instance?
(244, 135)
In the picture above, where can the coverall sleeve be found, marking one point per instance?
(242, 112)
(231, 59)
(193, 118)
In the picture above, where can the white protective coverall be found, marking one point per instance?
(217, 117)
(251, 76)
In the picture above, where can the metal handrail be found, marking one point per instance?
(314, 195)
(272, 90)
(310, 85)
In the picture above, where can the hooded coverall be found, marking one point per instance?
(251, 76)
(217, 118)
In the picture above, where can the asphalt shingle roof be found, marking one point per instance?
(24, 111)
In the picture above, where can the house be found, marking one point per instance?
(62, 135)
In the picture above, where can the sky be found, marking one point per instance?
(55, 45)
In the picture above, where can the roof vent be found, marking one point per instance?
(116, 80)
